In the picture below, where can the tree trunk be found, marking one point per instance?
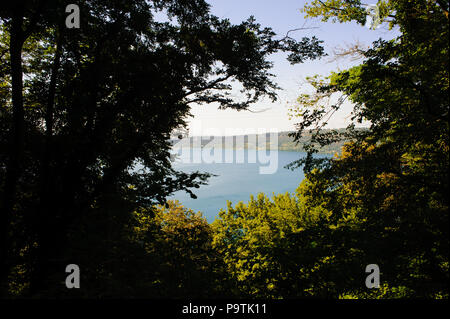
(16, 142)
(48, 220)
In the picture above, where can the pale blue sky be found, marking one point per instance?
(282, 16)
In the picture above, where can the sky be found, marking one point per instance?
(282, 16)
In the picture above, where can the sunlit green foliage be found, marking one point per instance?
(79, 110)
(182, 261)
(394, 176)
(384, 200)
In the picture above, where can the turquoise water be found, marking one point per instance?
(236, 181)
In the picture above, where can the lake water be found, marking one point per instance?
(237, 180)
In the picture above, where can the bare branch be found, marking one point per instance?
(298, 29)
(353, 51)
(260, 111)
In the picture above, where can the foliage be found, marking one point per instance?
(178, 244)
(394, 176)
(86, 117)
(384, 200)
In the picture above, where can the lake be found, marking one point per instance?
(237, 180)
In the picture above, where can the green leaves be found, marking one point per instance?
(99, 110)
(349, 10)
(383, 188)
(265, 246)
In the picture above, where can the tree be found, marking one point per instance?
(383, 200)
(394, 176)
(179, 252)
(276, 248)
(88, 113)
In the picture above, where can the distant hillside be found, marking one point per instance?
(286, 143)
(254, 141)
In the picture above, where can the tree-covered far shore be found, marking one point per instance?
(281, 141)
